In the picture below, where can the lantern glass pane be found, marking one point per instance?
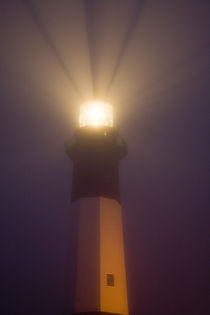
(96, 114)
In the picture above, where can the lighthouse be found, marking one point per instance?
(100, 286)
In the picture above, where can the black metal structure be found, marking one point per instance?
(96, 154)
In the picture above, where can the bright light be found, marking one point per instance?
(96, 113)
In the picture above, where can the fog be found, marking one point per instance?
(150, 60)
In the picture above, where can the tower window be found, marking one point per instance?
(110, 279)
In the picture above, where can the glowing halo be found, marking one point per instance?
(95, 114)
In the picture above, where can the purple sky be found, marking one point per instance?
(150, 59)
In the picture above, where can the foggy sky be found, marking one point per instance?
(150, 59)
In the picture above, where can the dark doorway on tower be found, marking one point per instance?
(110, 279)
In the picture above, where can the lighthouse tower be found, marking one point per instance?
(100, 286)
